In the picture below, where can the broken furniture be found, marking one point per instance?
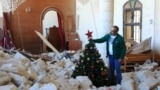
(138, 54)
(132, 59)
(73, 41)
(54, 38)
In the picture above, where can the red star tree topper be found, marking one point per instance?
(89, 34)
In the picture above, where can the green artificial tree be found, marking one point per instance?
(91, 65)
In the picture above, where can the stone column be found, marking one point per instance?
(106, 21)
(106, 15)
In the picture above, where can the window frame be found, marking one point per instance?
(132, 24)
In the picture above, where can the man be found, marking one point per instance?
(116, 50)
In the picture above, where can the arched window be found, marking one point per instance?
(132, 20)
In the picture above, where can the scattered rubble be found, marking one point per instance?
(18, 72)
(137, 48)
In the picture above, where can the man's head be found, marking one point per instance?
(114, 30)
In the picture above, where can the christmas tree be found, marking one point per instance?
(91, 65)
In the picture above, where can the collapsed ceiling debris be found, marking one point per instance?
(20, 72)
(137, 48)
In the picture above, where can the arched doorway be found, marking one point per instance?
(52, 29)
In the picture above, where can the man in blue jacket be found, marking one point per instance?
(116, 50)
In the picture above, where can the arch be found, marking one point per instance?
(42, 16)
(50, 9)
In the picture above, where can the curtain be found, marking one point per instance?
(1, 36)
(61, 33)
(7, 42)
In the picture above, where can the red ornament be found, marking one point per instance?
(89, 34)
(92, 75)
(97, 51)
(103, 73)
(92, 66)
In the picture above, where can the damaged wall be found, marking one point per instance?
(25, 23)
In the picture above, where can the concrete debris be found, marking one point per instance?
(8, 87)
(18, 72)
(137, 48)
(5, 78)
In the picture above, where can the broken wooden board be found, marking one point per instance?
(46, 42)
(142, 47)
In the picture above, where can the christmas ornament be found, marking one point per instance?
(101, 68)
(89, 34)
(79, 60)
(92, 66)
(92, 75)
(103, 73)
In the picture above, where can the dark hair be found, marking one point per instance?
(116, 27)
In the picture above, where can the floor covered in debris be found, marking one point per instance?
(51, 71)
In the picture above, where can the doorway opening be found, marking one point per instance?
(52, 29)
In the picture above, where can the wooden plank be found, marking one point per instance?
(46, 42)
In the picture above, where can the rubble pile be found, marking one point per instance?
(17, 72)
(142, 79)
(20, 73)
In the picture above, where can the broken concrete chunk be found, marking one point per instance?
(142, 47)
(5, 78)
(49, 86)
(85, 82)
(19, 80)
(8, 87)
(32, 75)
(14, 69)
(39, 66)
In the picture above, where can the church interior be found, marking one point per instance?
(46, 45)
